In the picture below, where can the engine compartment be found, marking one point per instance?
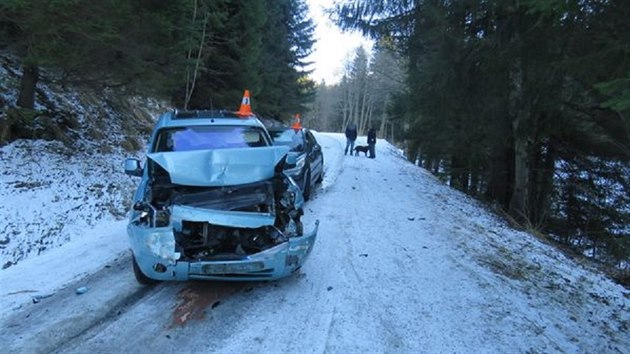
(196, 240)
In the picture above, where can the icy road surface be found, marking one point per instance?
(402, 263)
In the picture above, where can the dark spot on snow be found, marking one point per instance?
(507, 266)
(330, 288)
(7, 265)
(5, 241)
(28, 185)
(22, 292)
(600, 299)
(196, 297)
(411, 218)
(363, 255)
(168, 336)
(425, 247)
(353, 187)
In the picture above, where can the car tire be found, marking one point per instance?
(306, 193)
(140, 277)
(321, 174)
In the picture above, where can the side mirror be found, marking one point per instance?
(133, 168)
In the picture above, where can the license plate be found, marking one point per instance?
(227, 268)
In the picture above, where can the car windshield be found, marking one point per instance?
(289, 137)
(208, 137)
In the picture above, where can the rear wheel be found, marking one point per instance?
(140, 277)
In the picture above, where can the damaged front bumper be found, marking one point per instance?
(154, 251)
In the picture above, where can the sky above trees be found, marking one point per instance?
(333, 47)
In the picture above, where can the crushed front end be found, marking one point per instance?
(219, 226)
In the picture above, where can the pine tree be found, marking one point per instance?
(500, 94)
(105, 43)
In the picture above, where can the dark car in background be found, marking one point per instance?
(309, 166)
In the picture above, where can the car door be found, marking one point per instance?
(315, 157)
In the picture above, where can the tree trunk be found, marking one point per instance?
(347, 105)
(541, 189)
(500, 178)
(26, 99)
(191, 78)
(520, 115)
(519, 201)
(382, 130)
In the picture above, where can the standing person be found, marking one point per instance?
(371, 142)
(351, 136)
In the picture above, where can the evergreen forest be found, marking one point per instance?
(524, 104)
(194, 53)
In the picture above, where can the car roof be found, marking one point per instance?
(177, 118)
(278, 128)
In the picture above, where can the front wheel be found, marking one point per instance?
(140, 277)
(306, 193)
(320, 178)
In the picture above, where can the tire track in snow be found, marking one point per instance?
(65, 318)
(333, 161)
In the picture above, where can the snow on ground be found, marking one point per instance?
(36, 278)
(402, 263)
(53, 192)
(51, 195)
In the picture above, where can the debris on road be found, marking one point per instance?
(38, 298)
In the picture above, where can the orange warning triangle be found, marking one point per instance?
(297, 123)
(246, 108)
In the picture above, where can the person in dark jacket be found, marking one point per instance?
(351, 136)
(371, 139)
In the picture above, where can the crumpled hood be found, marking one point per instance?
(221, 167)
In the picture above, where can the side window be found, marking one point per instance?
(163, 141)
(310, 140)
(253, 138)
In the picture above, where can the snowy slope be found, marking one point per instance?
(51, 196)
(402, 264)
(53, 192)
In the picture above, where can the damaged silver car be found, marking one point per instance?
(214, 203)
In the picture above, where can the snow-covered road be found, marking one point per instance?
(402, 263)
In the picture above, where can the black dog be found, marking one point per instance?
(361, 148)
